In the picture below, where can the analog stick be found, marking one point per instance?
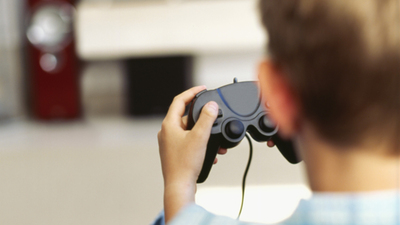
(234, 129)
(266, 124)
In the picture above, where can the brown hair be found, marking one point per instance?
(342, 59)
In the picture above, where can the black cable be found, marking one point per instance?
(245, 174)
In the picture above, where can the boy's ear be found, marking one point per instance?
(283, 105)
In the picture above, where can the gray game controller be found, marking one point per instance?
(241, 110)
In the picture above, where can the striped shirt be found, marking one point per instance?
(369, 208)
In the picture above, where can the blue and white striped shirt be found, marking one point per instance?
(369, 208)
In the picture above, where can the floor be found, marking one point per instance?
(107, 171)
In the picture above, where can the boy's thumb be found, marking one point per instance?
(207, 117)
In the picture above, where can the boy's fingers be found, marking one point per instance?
(184, 122)
(222, 151)
(177, 108)
(270, 143)
(202, 128)
(215, 161)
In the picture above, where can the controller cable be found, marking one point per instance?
(245, 174)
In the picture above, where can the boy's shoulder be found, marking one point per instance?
(363, 208)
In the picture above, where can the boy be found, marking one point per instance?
(332, 81)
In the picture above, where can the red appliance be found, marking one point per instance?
(53, 64)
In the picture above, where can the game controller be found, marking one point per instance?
(241, 110)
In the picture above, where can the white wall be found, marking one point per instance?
(215, 70)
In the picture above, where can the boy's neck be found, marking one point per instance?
(331, 169)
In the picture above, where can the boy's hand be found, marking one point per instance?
(182, 151)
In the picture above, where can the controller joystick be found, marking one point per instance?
(243, 110)
(234, 129)
(266, 124)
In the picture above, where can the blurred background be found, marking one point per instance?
(84, 86)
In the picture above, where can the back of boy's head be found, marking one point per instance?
(342, 58)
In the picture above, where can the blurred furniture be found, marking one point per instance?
(53, 64)
(153, 82)
(103, 89)
(114, 30)
(149, 35)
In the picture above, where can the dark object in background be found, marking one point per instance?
(53, 65)
(154, 82)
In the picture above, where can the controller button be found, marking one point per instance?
(266, 124)
(234, 129)
(220, 114)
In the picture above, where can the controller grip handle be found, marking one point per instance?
(286, 148)
(212, 150)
